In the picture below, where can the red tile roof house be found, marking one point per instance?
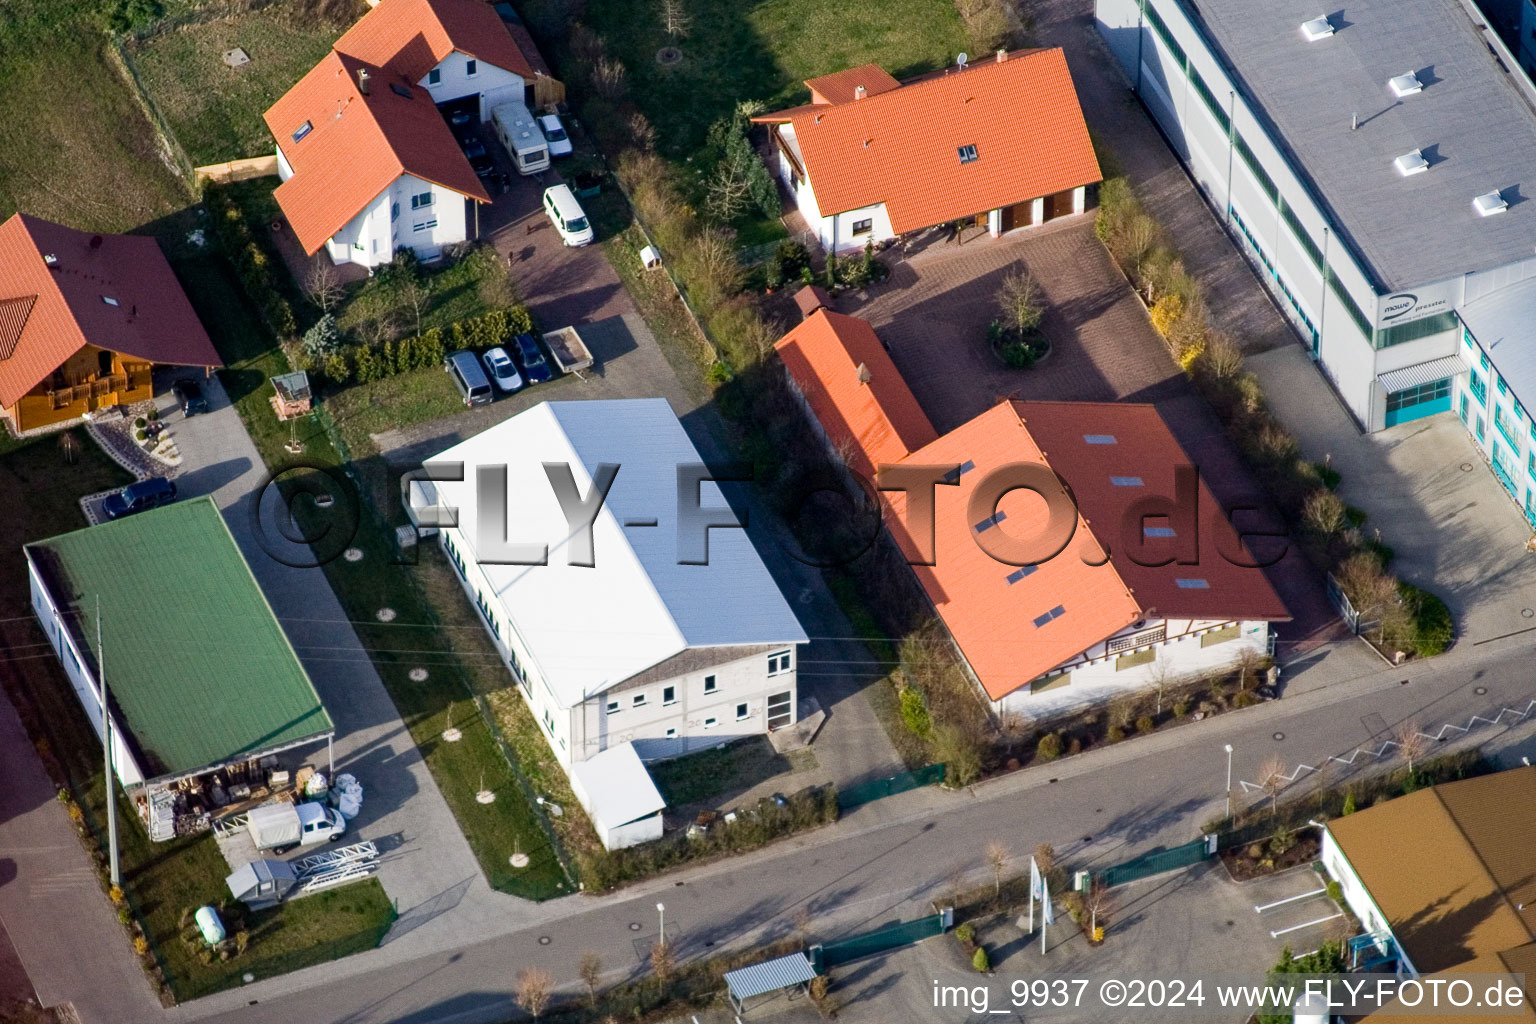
(1001, 142)
(368, 163)
(84, 320)
(1090, 622)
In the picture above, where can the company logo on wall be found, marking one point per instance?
(1405, 306)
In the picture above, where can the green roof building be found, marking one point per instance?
(199, 673)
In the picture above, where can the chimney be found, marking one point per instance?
(1002, 55)
(51, 260)
(362, 81)
(1354, 121)
(859, 92)
(864, 374)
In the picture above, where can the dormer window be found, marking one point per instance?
(302, 130)
(109, 300)
(434, 77)
(967, 154)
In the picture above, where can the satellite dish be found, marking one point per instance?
(960, 60)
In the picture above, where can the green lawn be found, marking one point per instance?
(734, 767)
(162, 879)
(496, 830)
(214, 110)
(764, 51)
(74, 145)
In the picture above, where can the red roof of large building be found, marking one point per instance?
(900, 146)
(854, 389)
(357, 145)
(116, 292)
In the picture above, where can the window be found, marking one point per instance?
(1167, 37)
(1125, 481)
(710, 723)
(1158, 531)
(778, 663)
(671, 734)
(394, 212)
(1498, 380)
(1098, 438)
(780, 713)
(864, 227)
(669, 695)
(639, 701)
(426, 225)
(302, 130)
(1054, 613)
(549, 721)
(1434, 390)
(1337, 287)
(710, 685)
(1300, 234)
(741, 711)
(471, 69)
(967, 154)
(109, 300)
(1204, 91)
(1192, 584)
(434, 76)
(1389, 336)
(1478, 388)
(421, 199)
(613, 707)
(1482, 359)
(1502, 423)
(1257, 170)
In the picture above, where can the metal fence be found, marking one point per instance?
(833, 954)
(876, 789)
(1158, 861)
(1347, 611)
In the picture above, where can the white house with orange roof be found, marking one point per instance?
(368, 161)
(1000, 142)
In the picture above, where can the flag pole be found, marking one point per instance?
(106, 743)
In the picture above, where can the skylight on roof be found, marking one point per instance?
(1490, 204)
(1158, 531)
(302, 130)
(1054, 613)
(1317, 28)
(1099, 438)
(1125, 481)
(1411, 163)
(1405, 84)
(1193, 584)
(400, 90)
(967, 154)
(109, 300)
(1019, 574)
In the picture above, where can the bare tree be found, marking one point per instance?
(663, 962)
(1222, 355)
(608, 77)
(1162, 678)
(728, 192)
(415, 295)
(535, 986)
(591, 971)
(998, 857)
(322, 283)
(1097, 902)
(642, 131)
(1272, 779)
(675, 18)
(1018, 299)
(69, 445)
(1411, 743)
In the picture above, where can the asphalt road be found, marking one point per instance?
(888, 860)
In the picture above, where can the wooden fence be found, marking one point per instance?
(236, 170)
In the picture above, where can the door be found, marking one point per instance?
(780, 710)
(1058, 205)
(1019, 215)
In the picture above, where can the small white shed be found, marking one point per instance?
(619, 796)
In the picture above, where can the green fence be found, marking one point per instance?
(1158, 861)
(834, 954)
(876, 789)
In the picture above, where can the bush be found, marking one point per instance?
(323, 339)
(1144, 724)
(1245, 699)
(140, 423)
(1336, 892)
(124, 916)
(1049, 747)
(1349, 804)
(914, 712)
(966, 932)
(1433, 628)
(1180, 708)
(980, 960)
(960, 752)
(1165, 312)
(793, 258)
(337, 370)
(140, 436)
(1114, 734)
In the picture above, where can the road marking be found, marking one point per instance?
(1309, 924)
(1289, 899)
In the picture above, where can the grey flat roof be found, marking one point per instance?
(1472, 124)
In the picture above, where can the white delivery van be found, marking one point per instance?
(520, 135)
(282, 826)
(567, 216)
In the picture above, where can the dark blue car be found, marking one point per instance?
(535, 368)
(139, 497)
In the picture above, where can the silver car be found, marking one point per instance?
(502, 370)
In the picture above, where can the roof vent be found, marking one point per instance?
(1317, 28)
(362, 81)
(818, 118)
(1411, 163)
(859, 92)
(1405, 84)
(1490, 204)
(1002, 55)
(864, 374)
(50, 259)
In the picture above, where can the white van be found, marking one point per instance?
(567, 216)
(519, 134)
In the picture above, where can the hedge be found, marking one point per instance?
(234, 240)
(362, 364)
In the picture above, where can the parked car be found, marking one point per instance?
(139, 497)
(535, 367)
(461, 117)
(554, 134)
(280, 827)
(567, 216)
(467, 376)
(499, 365)
(480, 161)
(190, 394)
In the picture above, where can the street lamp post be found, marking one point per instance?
(661, 913)
(1229, 782)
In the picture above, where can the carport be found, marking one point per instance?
(785, 972)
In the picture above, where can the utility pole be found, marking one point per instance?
(106, 744)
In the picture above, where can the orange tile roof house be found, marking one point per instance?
(1153, 583)
(84, 319)
(367, 159)
(1001, 142)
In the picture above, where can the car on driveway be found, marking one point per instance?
(139, 497)
(499, 365)
(535, 366)
(461, 118)
(190, 394)
(568, 217)
(480, 161)
(554, 134)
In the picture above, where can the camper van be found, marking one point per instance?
(520, 134)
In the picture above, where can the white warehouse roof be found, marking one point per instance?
(591, 628)
(617, 787)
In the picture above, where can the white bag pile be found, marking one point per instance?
(348, 795)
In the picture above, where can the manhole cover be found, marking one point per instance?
(236, 58)
(668, 56)
(353, 554)
(1279, 736)
(1466, 467)
(544, 940)
(418, 675)
(634, 926)
(1479, 690)
(386, 614)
